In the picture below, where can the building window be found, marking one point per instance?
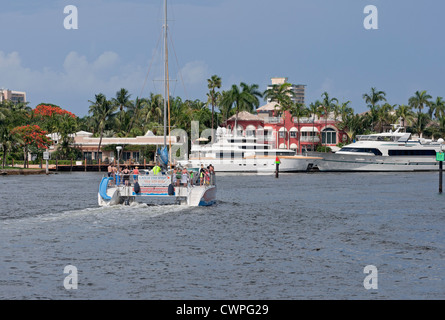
(329, 136)
(293, 134)
(282, 134)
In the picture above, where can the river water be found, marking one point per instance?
(302, 236)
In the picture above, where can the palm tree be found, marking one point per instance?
(385, 115)
(327, 106)
(136, 106)
(372, 99)
(252, 94)
(437, 108)
(420, 125)
(281, 94)
(405, 113)
(102, 109)
(420, 100)
(7, 142)
(66, 126)
(213, 83)
(244, 99)
(297, 111)
(314, 110)
(154, 108)
(122, 101)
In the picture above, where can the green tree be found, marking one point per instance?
(298, 111)
(420, 100)
(244, 98)
(437, 108)
(327, 106)
(372, 99)
(101, 109)
(213, 83)
(281, 94)
(314, 110)
(406, 114)
(121, 102)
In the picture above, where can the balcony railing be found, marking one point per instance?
(310, 139)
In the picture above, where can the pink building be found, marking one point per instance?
(288, 134)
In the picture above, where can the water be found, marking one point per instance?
(302, 236)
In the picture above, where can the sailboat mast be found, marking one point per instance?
(165, 73)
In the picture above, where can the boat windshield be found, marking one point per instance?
(377, 138)
(374, 151)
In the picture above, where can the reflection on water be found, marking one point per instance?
(302, 236)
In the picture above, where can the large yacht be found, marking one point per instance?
(390, 151)
(232, 153)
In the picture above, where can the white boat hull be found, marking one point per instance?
(364, 163)
(193, 196)
(266, 164)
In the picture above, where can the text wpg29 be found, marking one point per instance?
(242, 308)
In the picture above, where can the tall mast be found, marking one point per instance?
(165, 73)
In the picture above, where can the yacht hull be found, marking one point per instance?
(257, 164)
(365, 163)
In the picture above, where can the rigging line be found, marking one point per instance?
(179, 70)
(151, 63)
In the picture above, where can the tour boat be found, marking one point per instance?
(113, 191)
(232, 153)
(390, 151)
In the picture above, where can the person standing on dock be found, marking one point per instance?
(110, 170)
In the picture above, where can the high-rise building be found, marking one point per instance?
(14, 96)
(298, 89)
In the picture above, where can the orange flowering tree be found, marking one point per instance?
(33, 139)
(47, 109)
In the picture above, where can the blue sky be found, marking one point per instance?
(319, 43)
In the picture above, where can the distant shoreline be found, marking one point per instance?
(20, 171)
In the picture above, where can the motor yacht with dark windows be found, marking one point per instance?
(390, 151)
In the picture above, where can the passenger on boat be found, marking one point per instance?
(110, 170)
(126, 176)
(156, 169)
(136, 173)
(184, 177)
(212, 175)
(117, 175)
(201, 175)
(175, 179)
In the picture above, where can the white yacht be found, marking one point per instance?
(391, 151)
(231, 153)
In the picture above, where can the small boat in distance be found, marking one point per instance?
(389, 151)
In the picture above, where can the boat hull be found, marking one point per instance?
(208, 198)
(332, 162)
(259, 165)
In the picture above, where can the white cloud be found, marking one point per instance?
(195, 73)
(78, 78)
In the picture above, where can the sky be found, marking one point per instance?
(322, 44)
